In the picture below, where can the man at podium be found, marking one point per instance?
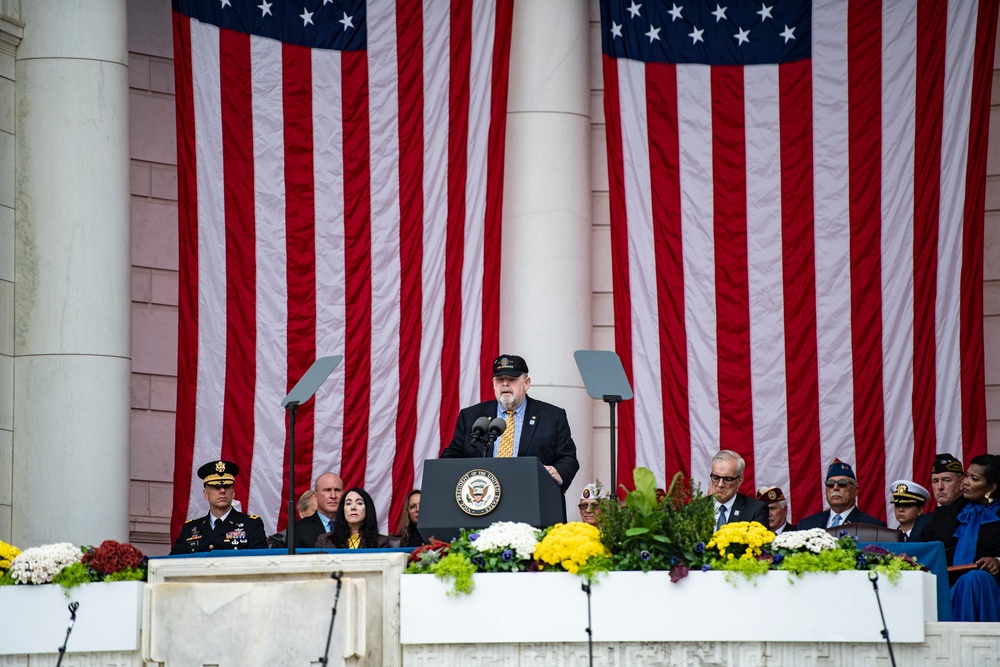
(534, 428)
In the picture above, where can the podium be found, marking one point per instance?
(527, 493)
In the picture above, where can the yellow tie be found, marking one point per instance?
(507, 439)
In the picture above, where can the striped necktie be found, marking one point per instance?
(507, 439)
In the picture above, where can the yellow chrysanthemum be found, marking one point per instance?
(8, 553)
(570, 545)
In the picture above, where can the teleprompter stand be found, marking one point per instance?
(604, 378)
(300, 393)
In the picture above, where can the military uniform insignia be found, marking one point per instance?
(237, 536)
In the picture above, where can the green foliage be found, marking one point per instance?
(596, 566)
(6, 579)
(128, 574)
(832, 560)
(73, 575)
(748, 567)
(655, 530)
(459, 569)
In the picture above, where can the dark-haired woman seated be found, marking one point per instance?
(355, 526)
(408, 534)
(970, 531)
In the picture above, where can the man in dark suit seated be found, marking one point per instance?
(725, 480)
(329, 488)
(534, 428)
(841, 495)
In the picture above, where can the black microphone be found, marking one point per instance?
(336, 574)
(478, 430)
(497, 426)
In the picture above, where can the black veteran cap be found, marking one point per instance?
(219, 473)
(946, 463)
(908, 492)
(509, 365)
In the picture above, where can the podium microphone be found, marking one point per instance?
(478, 431)
(497, 426)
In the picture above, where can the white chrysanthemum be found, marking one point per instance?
(814, 540)
(39, 565)
(518, 537)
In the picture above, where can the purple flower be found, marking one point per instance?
(699, 548)
(479, 561)
(706, 567)
(645, 555)
(678, 572)
(778, 558)
(875, 551)
(473, 537)
(861, 562)
(507, 555)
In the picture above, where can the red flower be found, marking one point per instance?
(435, 545)
(112, 557)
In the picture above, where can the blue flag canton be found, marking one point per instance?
(730, 32)
(316, 24)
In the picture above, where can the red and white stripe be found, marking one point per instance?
(337, 203)
(797, 251)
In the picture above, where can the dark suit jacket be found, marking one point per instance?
(544, 434)
(746, 508)
(819, 519)
(238, 531)
(307, 531)
(917, 532)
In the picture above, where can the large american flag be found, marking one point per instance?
(797, 200)
(340, 182)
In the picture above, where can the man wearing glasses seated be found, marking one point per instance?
(730, 506)
(842, 496)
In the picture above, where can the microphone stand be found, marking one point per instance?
(73, 606)
(329, 635)
(590, 630)
(291, 407)
(873, 577)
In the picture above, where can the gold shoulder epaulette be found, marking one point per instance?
(254, 516)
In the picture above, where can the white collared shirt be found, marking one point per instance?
(216, 520)
(843, 516)
(729, 509)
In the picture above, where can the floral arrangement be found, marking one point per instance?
(40, 565)
(504, 546)
(652, 529)
(68, 565)
(8, 552)
(655, 529)
(575, 547)
(739, 547)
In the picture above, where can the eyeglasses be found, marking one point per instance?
(840, 484)
(586, 507)
(719, 479)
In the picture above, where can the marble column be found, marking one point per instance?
(545, 298)
(72, 274)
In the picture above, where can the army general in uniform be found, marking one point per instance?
(223, 528)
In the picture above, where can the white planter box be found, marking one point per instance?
(635, 606)
(35, 618)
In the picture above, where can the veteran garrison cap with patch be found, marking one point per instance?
(770, 494)
(946, 463)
